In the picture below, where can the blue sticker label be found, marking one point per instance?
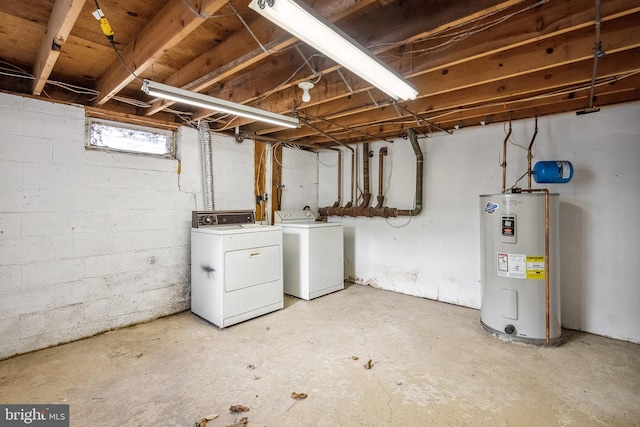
(491, 207)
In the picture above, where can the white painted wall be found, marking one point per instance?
(300, 176)
(233, 175)
(91, 240)
(437, 254)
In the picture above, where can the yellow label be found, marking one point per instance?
(535, 267)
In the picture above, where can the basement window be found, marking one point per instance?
(129, 138)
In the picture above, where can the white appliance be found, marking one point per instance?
(313, 254)
(512, 237)
(236, 267)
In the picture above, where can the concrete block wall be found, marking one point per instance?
(89, 240)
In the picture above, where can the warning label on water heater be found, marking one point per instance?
(535, 267)
(520, 266)
(512, 265)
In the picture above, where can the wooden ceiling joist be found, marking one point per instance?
(172, 24)
(63, 17)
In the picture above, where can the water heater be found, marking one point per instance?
(512, 237)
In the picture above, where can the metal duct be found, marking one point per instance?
(207, 169)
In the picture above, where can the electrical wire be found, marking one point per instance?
(208, 15)
(284, 83)
(566, 91)
(458, 36)
(109, 34)
(401, 225)
(518, 180)
(291, 147)
(346, 129)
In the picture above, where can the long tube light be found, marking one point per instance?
(307, 25)
(209, 102)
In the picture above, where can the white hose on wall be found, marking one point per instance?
(207, 170)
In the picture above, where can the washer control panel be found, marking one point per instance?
(293, 216)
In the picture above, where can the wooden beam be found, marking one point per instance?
(493, 93)
(63, 17)
(543, 22)
(172, 24)
(543, 55)
(494, 46)
(621, 91)
(241, 51)
(403, 21)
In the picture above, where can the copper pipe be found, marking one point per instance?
(504, 159)
(547, 286)
(529, 156)
(383, 152)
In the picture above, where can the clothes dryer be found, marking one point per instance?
(236, 267)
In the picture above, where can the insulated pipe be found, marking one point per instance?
(207, 169)
(547, 287)
(504, 159)
(529, 156)
(419, 175)
(383, 152)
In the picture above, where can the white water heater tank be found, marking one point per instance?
(512, 239)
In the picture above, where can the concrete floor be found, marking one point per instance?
(432, 365)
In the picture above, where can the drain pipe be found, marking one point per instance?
(353, 174)
(366, 193)
(419, 174)
(384, 211)
(207, 170)
(383, 152)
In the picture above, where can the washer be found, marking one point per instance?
(313, 254)
(236, 267)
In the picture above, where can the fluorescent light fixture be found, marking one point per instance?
(304, 23)
(209, 102)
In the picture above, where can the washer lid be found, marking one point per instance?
(294, 216)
